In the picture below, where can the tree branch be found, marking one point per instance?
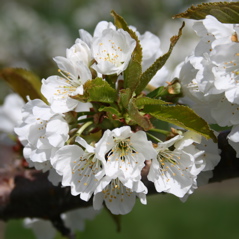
(228, 167)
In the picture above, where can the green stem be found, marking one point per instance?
(165, 132)
(79, 132)
(153, 137)
(83, 127)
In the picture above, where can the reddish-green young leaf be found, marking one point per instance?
(140, 119)
(23, 82)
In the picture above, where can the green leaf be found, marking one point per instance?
(99, 90)
(135, 115)
(132, 74)
(111, 79)
(225, 12)
(181, 116)
(158, 92)
(110, 110)
(158, 64)
(111, 119)
(170, 93)
(141, 101)
(23, 82)
(124, 97)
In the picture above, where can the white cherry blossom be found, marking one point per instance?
(233, 139)
(40, 160)
(204, 83)
(118, 194)
(112, 51)
(174, 171)
(10, 113)
(224, 112)
(80, 169)
(100, 27)
(211, 158)
(198, 80)
(213, 33)
(125, 151)
(79, 53)
(42, 132)
(41, 126)
(226, 57)
(75, 71)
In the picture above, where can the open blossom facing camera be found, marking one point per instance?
(125, 152)
(174, 171)
(100, 132)
(80, 169)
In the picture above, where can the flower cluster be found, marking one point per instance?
(209, 76)
(93, 130)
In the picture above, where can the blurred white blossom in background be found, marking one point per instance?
(27, 39)
(74, 219)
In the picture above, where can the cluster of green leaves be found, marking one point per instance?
(127, 104)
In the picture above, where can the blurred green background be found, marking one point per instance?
(33, 32)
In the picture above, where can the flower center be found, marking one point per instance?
(116, 190)
(232, 67)
(122, 149)
(71, 79)
(111, 53)
(87, 165)
(169, 161)
(167, 156)
(193, 86)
